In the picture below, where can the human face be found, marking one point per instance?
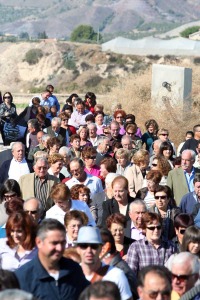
(57, 166)
(114, 130)
(151, 129)
(197, 189)
(83, 196)
(40, 169)
(52, 247)
(76, 170)
(76, 144)
(119, 118)
(7, 99)
(103, 171)
(188, 136)
(126, 144)
(32, 209)
(163, 136)
(89, 256)
(154, 165)
(153, 235)
(92, 132)
(162, 201)
(198, 149)
(144, 164)
(63, 204)
(18, 152)
(122, 161)
(83, 134)
(187, 161)
(80, 108)
(18, 235)
(31, 129)
(119, 192)
(8, 196)
(55, 126)
(90, 161)
(104, 146)
(55, 148)
(151, 185)
(46, 95)
(156, 148)
(130, 133)
(136, 214)
(179, 233)
(194, 247)
(117, 231)
(64, 121)
(99, 119)
(155, 288)
(167, 153)
(182, 285)
(39, 136)
(73, 228)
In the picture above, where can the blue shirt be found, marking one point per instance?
(189, 180)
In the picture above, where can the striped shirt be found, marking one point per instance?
(41, 190)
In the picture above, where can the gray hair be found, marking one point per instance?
(67, 151)
(126, 137)
(40, 207)
(193, 154)
(13, 145)
(185, 257)
(102, 139)
(57, 120)
(45, 137)
(34, 123)
(15, 294)
(92, 125)
(137, 202)
(41, 159)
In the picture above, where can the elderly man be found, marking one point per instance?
(38, 184)
(185, 273)
(33, 207)
(189, 200)
(134, 228)
(114, 131)
(79, 115)
(49, 275)
(93, 137)
(79, 176)
(17, 166)
(154, 282)
(102, 149)
(55, 130)
(180, 180)
(126, 142)
(89, 246)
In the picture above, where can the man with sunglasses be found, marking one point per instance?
(185, 273)
(33, 207)
(89, 246)
(154, 283)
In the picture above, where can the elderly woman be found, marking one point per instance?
(19, 246)
(150, 250)
(83, 132)
(119, 116)
(160, 163)
(165, 208)
(147, 193)
(137, 172)
(73, 221)
(60, 194)
(99, 118)
(89, 157)
(75, 150)
(53, 145)
(123, 160)
(56, 163)
(150, 135)
(116, 224)
(120, 201)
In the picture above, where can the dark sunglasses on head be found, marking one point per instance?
(154, 227)
(181, 278)
(160, 197)
(85, 246)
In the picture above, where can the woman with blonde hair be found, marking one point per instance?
(137, 172)
(83, 132)
(123, 160)
(56, 163)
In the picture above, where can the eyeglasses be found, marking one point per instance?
(181, 278)
(32, 212)
(152, 228)
(164, 134)
(6, 97)
(91, 157)
(160, 197)
(119, 117)
(154, 165)
(40, 168)
(85, 246)
(182, 231)
(65, 120)
(154, 294)
(9, 196)
(130, 133)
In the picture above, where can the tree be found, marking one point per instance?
(33, 56)
(185, 33)
(24, 36)
(42, 35)
(84, 33)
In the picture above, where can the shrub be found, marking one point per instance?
(197, 60)
(185, 33)
(33, 56)
(84, 33)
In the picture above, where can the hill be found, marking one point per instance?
(59, 17)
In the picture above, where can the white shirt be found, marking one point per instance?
(17, 169)
(55, 212)
(92, 182)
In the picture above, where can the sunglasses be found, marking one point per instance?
(181, 278)
(182, 231)
(160, 197)
(154, 165)
(164, 134)
(7, 197)
(32, 212)
(152, 228)
(91, 157)
(164, 294)
(85, 246)
(65, 119)
(130, 133)
(6, 97)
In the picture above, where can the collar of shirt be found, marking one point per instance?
(43, 179)
(191, 173)
(20, 162)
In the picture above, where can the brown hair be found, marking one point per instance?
(163, 165)
(63, 115)
(119, 111)
(13, 205)
(155, 176)
(52, 141)
(140, 156)
(116, 218)
(24, 221)
(149, 217)
(74, 215)
(88, 151)
(54, 158)
(110, 164)
(60, 191)
(76, 189)
(74, 137)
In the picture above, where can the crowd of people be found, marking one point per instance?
(93, 208)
